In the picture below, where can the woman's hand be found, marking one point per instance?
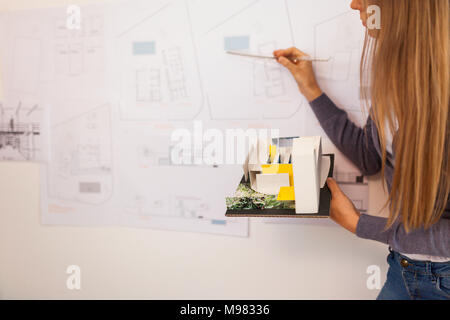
(302, 71)
(342, 210)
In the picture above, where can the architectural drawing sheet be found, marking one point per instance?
(23, 108)
(263, 86)
(159, 72)
(98, 104)
(81, 160)
(331, 30)
(23, 135)
(78, 61)
(156, 192)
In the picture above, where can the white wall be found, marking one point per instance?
(313, 260)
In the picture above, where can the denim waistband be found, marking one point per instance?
(421, 267)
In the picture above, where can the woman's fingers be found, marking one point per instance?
(333, 186)
(287, 63)
(301, 70)
(289, 52)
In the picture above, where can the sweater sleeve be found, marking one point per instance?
(433, 241)
(354, 142)
(358, 145)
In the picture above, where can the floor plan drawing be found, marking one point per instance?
(81, 169)
(263, 86)
(176, 78)
(21, 132)
(156, 154)
(159, 71)
(78, 52)
(146, 148)
(190, 207)
(168, 206)
(151, 155)
(148, 85)
(153, 191)
(76, 61)
(173, 202)
(145, 207)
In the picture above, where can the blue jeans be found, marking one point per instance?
(415, 280)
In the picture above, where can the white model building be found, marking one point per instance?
(294, 170)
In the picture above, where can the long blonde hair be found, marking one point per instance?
(405, 78)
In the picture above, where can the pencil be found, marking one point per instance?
(293, 59)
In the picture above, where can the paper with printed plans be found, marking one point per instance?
(97, 105)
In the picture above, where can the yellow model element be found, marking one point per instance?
(286, 193)
(272, 153)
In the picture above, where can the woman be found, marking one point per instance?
(406, 64)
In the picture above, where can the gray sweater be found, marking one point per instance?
(362, 147)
